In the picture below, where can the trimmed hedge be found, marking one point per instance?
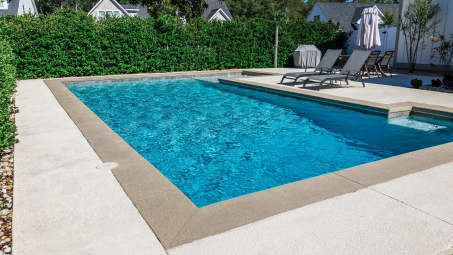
(69, 43)
(8, 130)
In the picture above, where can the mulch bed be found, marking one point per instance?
(417, 72)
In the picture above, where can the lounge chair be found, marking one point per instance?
(384, 62)
(324, 66)
(371, 63)
(351, 71)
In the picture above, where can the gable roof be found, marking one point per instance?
(215, 12)
(143, 10)
(348, 13)
(13, 8)
(113, 2)
(214, 5)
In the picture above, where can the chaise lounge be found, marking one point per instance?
(325, 66)
(351, 70)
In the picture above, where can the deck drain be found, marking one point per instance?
(108, 165)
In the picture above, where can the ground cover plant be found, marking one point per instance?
(7, 86)
(70, 43)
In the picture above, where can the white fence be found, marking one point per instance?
(388, 41)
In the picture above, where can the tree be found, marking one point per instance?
(444, 52)
(389, 18)
(416, 24)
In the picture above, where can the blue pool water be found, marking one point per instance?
(217, 141)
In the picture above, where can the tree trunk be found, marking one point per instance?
(411, 67)
(61, 4)
(76, 4)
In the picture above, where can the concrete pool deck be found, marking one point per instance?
(55, 177)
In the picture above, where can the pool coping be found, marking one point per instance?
(177, 221)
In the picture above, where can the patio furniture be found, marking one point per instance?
(325, 66)
(351, 71)
(306, 56)
(384, 62)
(342, 61)
(371, 63)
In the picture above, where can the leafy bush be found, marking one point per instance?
(7, 86)
(69, 43)
(416, 83)
(436, 83)
(447, 78)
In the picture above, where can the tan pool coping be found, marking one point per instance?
(177, 221)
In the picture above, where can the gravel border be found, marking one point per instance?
(6, 182)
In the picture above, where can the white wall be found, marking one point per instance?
(316, 11)
(388, 41)
(26, 6)
(445, 28)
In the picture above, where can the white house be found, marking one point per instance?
(348, 14)
(17, 7)
(424, 59)
(216, 11)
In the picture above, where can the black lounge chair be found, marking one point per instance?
(324, 66)
(384, 62)
(351, 71)
(371, 63)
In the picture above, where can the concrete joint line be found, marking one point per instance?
(412, 207)
(177, 234)
(396, 200)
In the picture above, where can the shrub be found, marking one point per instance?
(69, 43)
(447, 78)
(8, 129)
(416, 83)
(436, 83)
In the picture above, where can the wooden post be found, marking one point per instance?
(276, 46)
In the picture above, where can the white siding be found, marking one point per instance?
(445, 28)
(107, 5)
(26, 6)
(5, 5)
(218, 16)
(316, 11)
(387, 41)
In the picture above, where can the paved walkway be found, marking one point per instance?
(64, 205)
(378, 90)
(409, 215)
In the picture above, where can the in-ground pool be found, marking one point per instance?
(216, 141)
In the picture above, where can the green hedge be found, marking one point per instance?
(69, 43)
(7, 85)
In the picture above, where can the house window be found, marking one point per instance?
(3, 4)
(102, 14)
(317, 17)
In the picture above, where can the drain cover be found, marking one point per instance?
(108, 165)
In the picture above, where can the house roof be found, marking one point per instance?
(348, 13)
(143, 10)
(215, 11)
(113, 2)
(13, 8)
(214, 5)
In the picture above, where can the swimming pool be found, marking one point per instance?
(216, 141)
